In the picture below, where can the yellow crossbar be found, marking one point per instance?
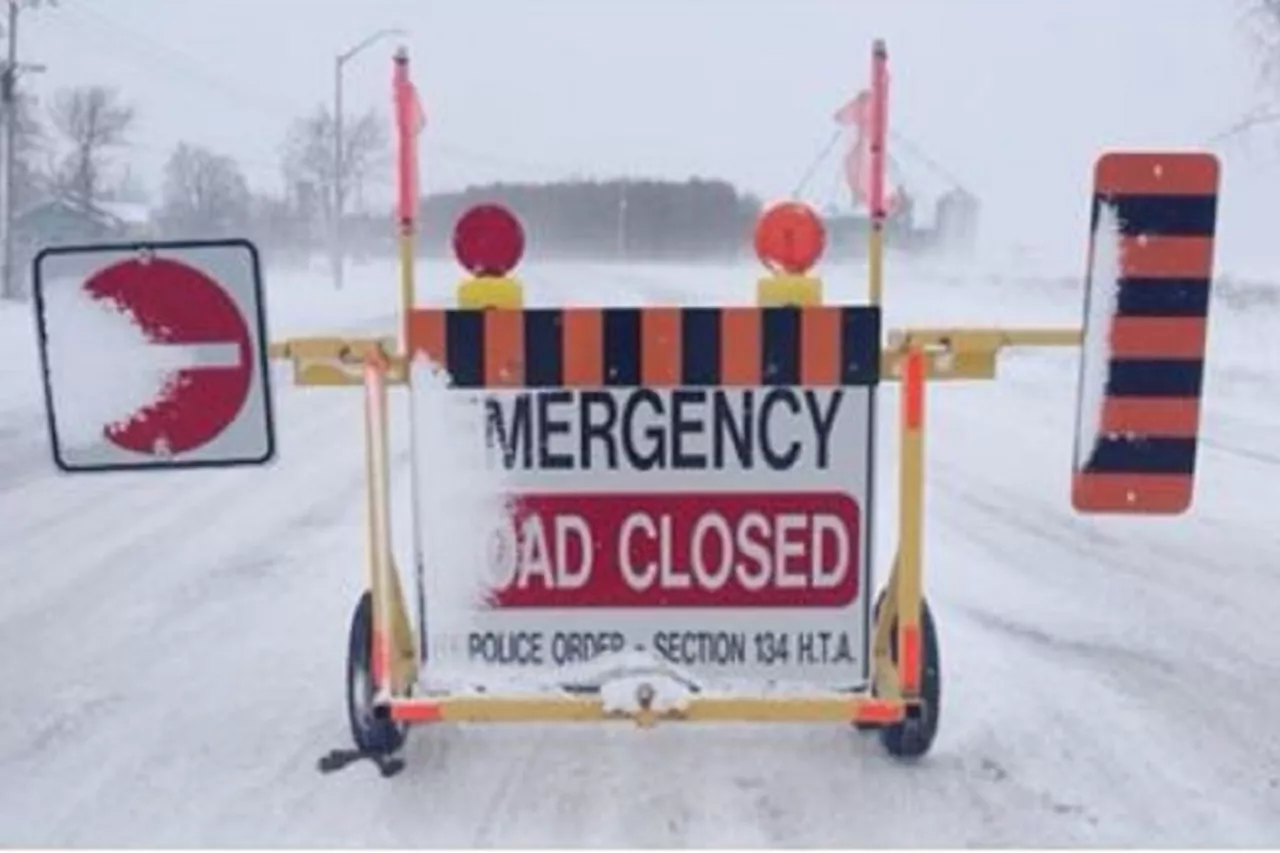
(569, 709)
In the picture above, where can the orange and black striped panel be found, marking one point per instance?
(1145, 456)
(650, 347)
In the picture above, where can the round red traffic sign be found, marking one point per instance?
(177, 304)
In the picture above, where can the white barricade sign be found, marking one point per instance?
(720, 524)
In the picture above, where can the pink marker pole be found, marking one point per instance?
(406, 142)
(879, 125)
(878, 131)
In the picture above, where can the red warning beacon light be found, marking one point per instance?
(488, 241)
(790, 238)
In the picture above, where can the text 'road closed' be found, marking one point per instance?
(679, 550)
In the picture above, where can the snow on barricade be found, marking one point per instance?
(104, 370)
(627, 663)
(1104, 292)
(462, 500)
(624, 695)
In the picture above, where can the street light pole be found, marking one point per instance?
(622, 220)
(337, 240)
(8, 94)
(337, 248)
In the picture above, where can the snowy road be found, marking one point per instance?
(171, 647)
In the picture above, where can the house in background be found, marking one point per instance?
(66, 222)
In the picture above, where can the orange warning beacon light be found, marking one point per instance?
(790, 238)
(488, 240)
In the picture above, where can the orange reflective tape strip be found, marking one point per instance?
(1156, 174)
(1138, 493)
(881, 711)
(1158, 337)
(379, 654)
(1176, 417)
(913, 389)
(660, 347)
(583, 342)
(503, 348)
(1166, 257)
(909, 636)
(426, 335)
(820, 344)
(416, 711)
(740, 346)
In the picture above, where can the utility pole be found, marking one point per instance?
(622, 219)
(9, 102)
(9, 289)
(337, 247)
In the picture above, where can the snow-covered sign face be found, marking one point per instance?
(154, 358)
(689, 487)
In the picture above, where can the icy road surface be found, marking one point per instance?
(171, 646)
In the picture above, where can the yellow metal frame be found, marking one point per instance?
(936, 353)
(394, 652)
(862, 710)
(960, 353)
(912, 357)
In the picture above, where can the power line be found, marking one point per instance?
(928, 161)
(471, 155)
(275, 103)
(270, 103)
(108, 34)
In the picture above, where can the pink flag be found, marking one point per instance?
(410, 120)
(858, 167)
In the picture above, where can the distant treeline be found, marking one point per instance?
(635, 219)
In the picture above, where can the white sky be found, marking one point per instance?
(1016, 97)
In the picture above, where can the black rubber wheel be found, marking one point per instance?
(913, 737)
(371, 733)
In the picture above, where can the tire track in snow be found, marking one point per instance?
(139, 500)
(186, 617)
(173, 605)
(1123, 622)
(122, 514)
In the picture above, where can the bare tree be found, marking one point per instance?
(1261, 21)
(31, 146)
(309, 155)
(205, 194)
(1262, 17)
(92, 121)
(276, 226)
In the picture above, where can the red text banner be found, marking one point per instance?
(679, 550)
